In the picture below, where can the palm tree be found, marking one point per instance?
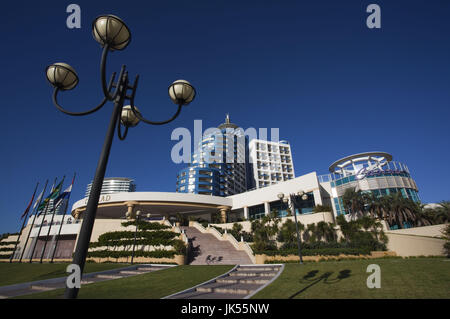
(325, 231)
(371, 225)
(310, 233)
(377, 206)
(264, 230)
(287, 233)
(442, 214)
(348, 229)
(423, 216)
(354, 202)
(402, 210)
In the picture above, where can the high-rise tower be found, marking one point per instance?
(219, 163)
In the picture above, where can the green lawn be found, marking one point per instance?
(400, 278)
(153, 285)
(16, 273)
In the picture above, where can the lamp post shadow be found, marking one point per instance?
(311, 278)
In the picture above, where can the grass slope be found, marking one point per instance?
(400, 278)
(16, 273)
(154, 285)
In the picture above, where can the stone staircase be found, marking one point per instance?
(208, 250)
(242, 282)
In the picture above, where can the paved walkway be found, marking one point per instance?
(241, 282)
(88, 278)
(208, 250)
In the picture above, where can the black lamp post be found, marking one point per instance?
(112, 33)
(138, 213)
(293, 199)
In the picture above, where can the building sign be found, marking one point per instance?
(102, 199)
(376, 171)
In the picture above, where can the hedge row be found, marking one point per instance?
(142, 225)
(130, 242)
(6, 243)
(278, 261)
(126, 253)
(317, 252)
(120, 235)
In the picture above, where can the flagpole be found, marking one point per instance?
(23, 224)
(42, 223)
(51, 221)
(32, 223)
(62, 221)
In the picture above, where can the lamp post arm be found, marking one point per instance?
(107, 90)
(140, 117)
(119, 131)
(59, 107)
(95, 109)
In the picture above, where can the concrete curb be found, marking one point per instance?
(201, 284)
(268, 283)
(26, 285)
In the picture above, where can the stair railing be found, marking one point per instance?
(227, 236)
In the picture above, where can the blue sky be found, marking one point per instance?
(311, 68)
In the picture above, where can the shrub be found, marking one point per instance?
(143, 225)
(248, 237)
(119, 235)
(127, 253)
(264, 230)
(317, 252)
(322, 208)
(118, 243)
(237, 228)
(180, 247)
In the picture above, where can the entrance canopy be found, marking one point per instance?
(112, 206)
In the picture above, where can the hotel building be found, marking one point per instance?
(373, 172)
(114, 185)
(219, 165)
(270, 162)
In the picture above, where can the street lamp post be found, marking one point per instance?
(284, 199)
(112, 33)
(138, 213)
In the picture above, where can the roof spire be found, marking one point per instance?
(227, 119)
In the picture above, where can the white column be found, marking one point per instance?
(245, 212)
(317, 197)
(267, 208)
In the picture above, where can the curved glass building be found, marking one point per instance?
(219, 163)
(114, 185)
(370, 172)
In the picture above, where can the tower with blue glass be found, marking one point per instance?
(219, 163)
(370, 172)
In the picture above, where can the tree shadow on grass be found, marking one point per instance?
(312, 278)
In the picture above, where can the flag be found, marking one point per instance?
(64, 196)
(54, 194)
(57, 190)
(29, 205)
(38, 199)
